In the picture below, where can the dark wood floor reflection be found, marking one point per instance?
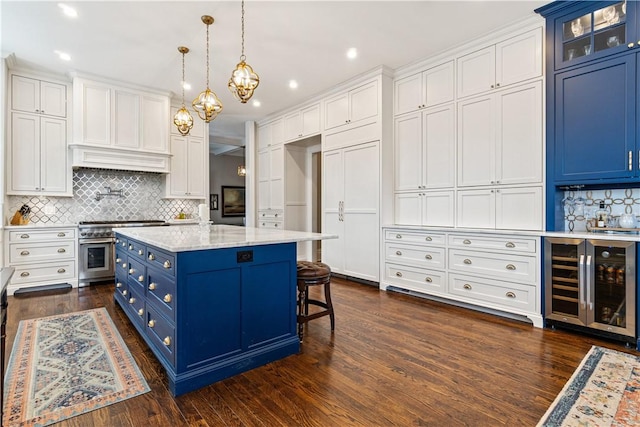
(394, 360)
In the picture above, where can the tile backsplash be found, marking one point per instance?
(142, 198)
(581, 205)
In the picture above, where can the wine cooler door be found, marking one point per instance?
(611, 298)
(565, 264)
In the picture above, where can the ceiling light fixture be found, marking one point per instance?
(293, 84)
(256, 103)
(62, 55)
(183, 119)
(352, 53)
(243, 80)
(68, 10)
(207, 104)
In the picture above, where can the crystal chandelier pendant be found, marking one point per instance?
(243, 82)
(183, 119)
(207, 104)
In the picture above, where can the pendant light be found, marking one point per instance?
(242, 169)
(183, 119)
(207, 104)
(243, 80)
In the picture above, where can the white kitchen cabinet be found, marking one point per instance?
(302, 123)
(187, 179)
(500, 137)
(271, 179)
(357, 106)
(425, 149)
(37, 156)
(351, 209)
(426, 89)
(513, 60)
(36, 96)
(512, 208)
(155, 126)
(271, 133)
(428, 208)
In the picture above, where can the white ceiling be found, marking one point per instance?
(136, 42)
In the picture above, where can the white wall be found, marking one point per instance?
(223, 170)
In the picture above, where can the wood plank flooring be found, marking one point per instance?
(393, 360)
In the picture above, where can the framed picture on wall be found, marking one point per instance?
(213, 202)
(232, 201)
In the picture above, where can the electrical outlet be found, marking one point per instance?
(49, 210)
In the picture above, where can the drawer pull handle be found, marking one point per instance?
(511, 267)
(166, 264)
(398, 236)
(141, 278)
(117, 240)
(398, 253)
(62, 250)
(118, 285)
(61, 270)
(510, 294)
(124, 244)
(467, 261)
(124, 265)
(466, 242)
(132, 300)
(167, 298)
(131, 271)
(398, 274)
(428, 280)
(167, 341)
(467, 286)
(124, 293)
(140, 312)
(24, 236)
(152, 286)
(427, 256)
(151, 323)
(62, 234)
(24, 274)
(152, 257)
(24, 253)
(130, 247)
(140, 252)
(428, 239)
(510, 245)
(118, 260)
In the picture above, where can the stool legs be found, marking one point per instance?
(304, 301)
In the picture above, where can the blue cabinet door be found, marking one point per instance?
(595, 123)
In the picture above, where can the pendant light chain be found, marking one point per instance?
(183, 80)
(207, 56)
(242, 57)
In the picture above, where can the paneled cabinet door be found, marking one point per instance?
(476, 208)
(351, 107)
(155, 126)
(178, 180)
(302, 123)
(92, 122)
(271, 178)
(596, 122)
(271, 134)
(428, 208)
(476, 141)
(426, 89)
(263, 179)
(519, 208)
(196, 168)
(126, 119)
(38, 96)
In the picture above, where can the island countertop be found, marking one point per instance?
(213, 236)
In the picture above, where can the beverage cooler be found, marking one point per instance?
(591, 285)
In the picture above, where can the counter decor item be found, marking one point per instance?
(21, 217)
(627, 221)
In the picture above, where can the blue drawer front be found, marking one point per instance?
(121, 242)
(137, 274)
(164, 261)
(136, 249)
(136, 306)
(122, 291)
(161, 292)
(162, 333)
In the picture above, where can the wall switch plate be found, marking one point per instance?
(49, 210)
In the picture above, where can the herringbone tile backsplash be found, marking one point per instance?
(142, 199)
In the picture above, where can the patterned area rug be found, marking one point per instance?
(604, 391)
(67, 365)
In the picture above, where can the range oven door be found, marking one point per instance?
(96, 260)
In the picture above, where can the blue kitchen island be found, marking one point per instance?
(211, 301)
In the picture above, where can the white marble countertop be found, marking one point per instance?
(39, 225)
(196, 237)
(625, 237)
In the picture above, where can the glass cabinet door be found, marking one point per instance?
(596, 33)
(564, 263)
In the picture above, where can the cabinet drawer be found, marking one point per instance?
(134, 303)
(121, 242)
(46, 251)
(269, 224)
(122, 291)
(417, 279)
(136, 249)
(44, 272)
(269, 215)
(161, 292)
(503, 243)
(165, 262)
(415, 237)
(422, 256)
(517, 268)
(40, 235)
(137, 274)
(162, 333)
(510, 296)
(122, 258)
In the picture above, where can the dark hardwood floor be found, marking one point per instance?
(393, 360)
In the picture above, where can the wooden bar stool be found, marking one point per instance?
(312, 274)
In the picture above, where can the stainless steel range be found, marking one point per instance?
(96, 254)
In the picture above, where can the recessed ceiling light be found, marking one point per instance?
(186, 86)
(62, 55)
(293, 84)
(352, 53)
(68, 10)
(256, 103)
